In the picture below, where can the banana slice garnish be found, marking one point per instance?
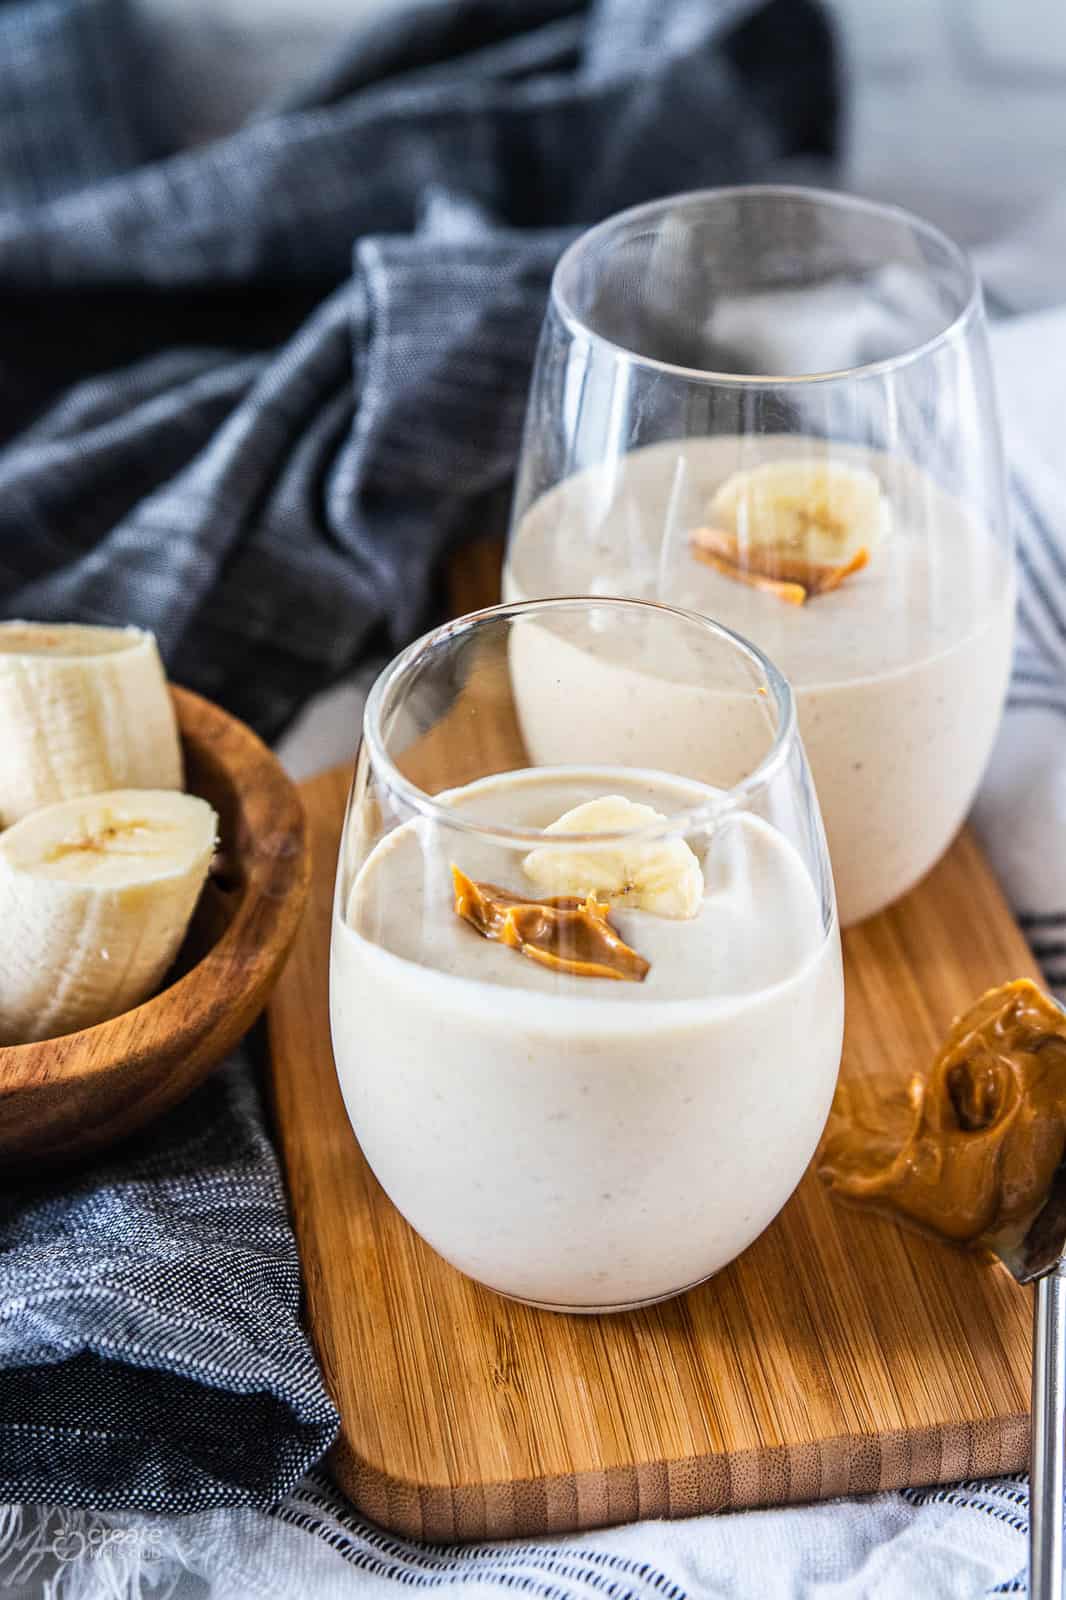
(794, 528)
(96, 895)
(662, 876)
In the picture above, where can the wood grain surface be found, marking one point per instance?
(63, 1098)
(839, 1354)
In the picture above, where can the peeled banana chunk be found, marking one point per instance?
(96, 894)
(82, 710)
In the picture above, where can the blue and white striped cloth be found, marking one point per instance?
(1021, 811)
(953, 1543)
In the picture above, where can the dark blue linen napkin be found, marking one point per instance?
(224, 427)
(251, 396)
(151, 1352)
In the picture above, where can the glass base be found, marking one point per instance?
(612, 1309)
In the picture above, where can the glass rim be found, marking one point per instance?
(690, 818)
(831, 198)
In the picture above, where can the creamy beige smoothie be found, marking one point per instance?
(899, 673)
(573, 1141)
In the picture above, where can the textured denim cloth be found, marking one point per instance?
(250, 396)
(151, 1353)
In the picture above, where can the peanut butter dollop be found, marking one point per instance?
(789, 575)
(971, 1155)
(565, 933)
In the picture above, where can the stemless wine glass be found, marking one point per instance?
(596, 1100)
(774, 406)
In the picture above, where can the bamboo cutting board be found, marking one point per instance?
(838, 1355)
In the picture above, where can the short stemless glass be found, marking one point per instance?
(774, 406)
(572, 1126)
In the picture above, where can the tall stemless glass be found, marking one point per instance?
(774, 406)
(589, 1062)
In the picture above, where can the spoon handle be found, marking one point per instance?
(1049, 1446)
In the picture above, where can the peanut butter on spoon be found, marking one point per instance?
(566, 933)
(976, 1147)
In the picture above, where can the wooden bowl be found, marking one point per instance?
(66, 1097)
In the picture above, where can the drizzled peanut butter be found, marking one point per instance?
(972, 1153)
(788, 574)
(566, 933)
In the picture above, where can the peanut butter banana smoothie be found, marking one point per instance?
(589, 1075)
(887, 606)
(587, 1016)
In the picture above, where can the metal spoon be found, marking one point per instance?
(1039, 1259)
